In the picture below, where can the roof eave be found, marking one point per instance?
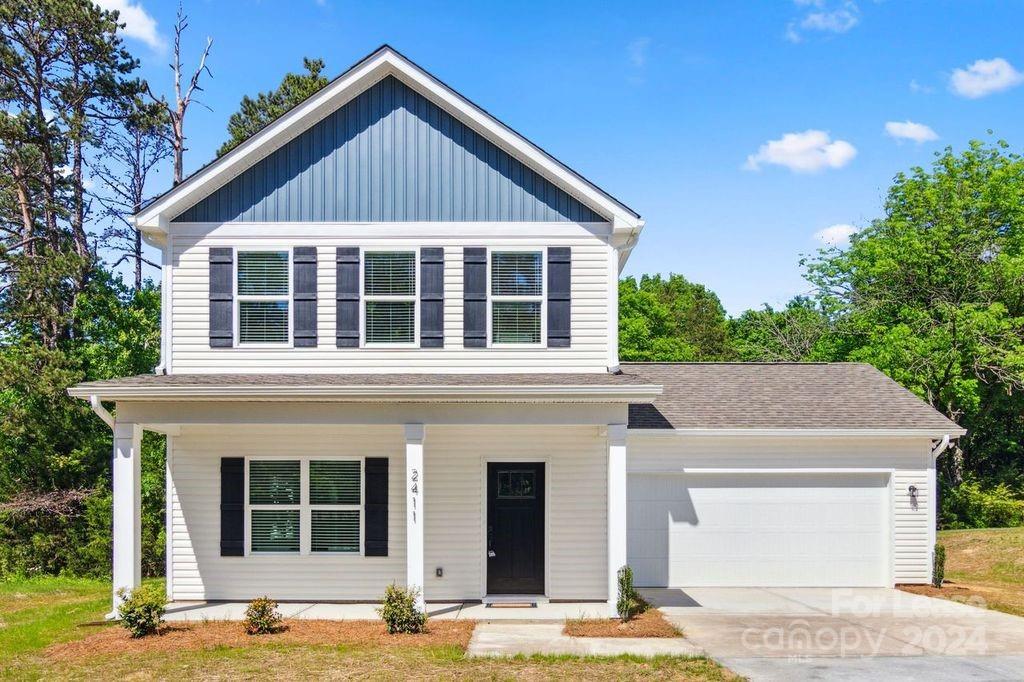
(397, 393)
(385, 61)
(796, 432)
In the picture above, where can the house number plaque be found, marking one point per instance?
(414, 488)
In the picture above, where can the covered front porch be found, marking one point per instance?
(439, 502)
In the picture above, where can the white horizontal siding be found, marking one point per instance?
(201, 573)
(907, 457)
(454, 511)
(455, 506)
(191, 352)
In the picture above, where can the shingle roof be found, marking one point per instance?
(695, 395)
(778, 396)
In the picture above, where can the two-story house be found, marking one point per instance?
(390, 356)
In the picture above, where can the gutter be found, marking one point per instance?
(495, 393)
(787, 433)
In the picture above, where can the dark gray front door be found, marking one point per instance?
(515, 528)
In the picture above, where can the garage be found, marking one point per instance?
(759, 529)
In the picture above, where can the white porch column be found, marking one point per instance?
(414, 436)
(127, 511)
(616, 509)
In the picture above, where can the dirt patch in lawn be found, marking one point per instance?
(648, 624)
(998, 597)
(193, 636)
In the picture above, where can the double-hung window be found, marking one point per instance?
(263, 293)
(305, 505)
(517, 297)
(389, 297)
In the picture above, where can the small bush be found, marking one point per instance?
(262, 616)
(141, 610)
(629, 603)
(939, 565)
(399, 611)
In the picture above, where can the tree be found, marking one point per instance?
(255, 114)
(184, 96)
(670, 320)
(799, 332)
(62, 67)
(932, 293)
(132, 148)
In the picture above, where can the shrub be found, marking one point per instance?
(629, 603)
(968, 505)
(141, 609)
(938, 565)
(399, 611)
(262, 616)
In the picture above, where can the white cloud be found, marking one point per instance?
(638, 52)
(908, 130)
(985, 77)
(835, 235)
(837, 19)
(138, 23)
(807, 152)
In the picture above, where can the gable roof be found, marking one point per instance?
(746, 397)
(389, 155)
(384, 62)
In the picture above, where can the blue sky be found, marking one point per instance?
(739, 130)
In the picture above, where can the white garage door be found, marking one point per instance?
(759, 530)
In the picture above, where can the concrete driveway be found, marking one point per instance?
(845, 633)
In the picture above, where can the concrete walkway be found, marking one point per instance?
(509, 639)
(544, 612)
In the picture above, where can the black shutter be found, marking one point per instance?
(304, 296)
(432, 298)
(232, 506)
(559, 299)
(348, 297)
(375, 542)
(222, 292)
(474, 297)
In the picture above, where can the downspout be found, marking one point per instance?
(940, 448)
(97, 407)
(933, 483)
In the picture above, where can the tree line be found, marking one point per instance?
(931, 292)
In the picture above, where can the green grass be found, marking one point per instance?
(988, 563)
(38, 612)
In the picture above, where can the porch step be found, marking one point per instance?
(513, 601)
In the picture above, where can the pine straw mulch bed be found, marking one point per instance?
(650, 623)
(197, 636)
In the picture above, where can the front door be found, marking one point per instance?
(515, 528)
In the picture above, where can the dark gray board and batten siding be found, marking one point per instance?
(389, 155)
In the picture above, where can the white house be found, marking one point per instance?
(390, 354)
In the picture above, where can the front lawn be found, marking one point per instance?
(50, 628)
(986, 564)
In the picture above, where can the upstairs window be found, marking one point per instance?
(263, 290)
(517, 297)
(389, 297)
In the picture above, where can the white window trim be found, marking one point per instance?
(542, 298)
(414, 297)
(238, 298)
(304, 507)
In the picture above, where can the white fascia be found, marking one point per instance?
(154, 218)
(795, 433)
(503, 394)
